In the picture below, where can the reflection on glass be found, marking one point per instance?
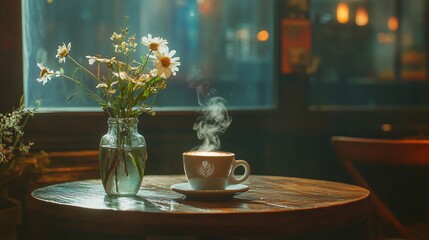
(378, 60)
(219, 41)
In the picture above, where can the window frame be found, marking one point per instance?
(258, 97)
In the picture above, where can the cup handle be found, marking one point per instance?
(232, 178)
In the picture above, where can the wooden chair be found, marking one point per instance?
(404, 152)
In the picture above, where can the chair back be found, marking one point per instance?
(389, 151)
(401, 152)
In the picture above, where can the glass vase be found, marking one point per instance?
(122, 157)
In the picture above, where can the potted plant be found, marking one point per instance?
(15, 162)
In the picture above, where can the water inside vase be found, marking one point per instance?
(122, 170)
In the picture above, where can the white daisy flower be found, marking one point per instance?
(122, 75)
(124, 47)
(116, 37)
(108, 89)
(114, 83)
(116, 48)
(62, 52)
(46, 74)
(142, 79)
(132, 42)
(165, 63)
(153, 72)
(155, 43)
(102, 85)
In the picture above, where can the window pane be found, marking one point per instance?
(217, 41)
(377, 58)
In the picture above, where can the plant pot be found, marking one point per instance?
(10, 218)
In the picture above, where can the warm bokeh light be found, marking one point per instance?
(243, 34)
(386, 38)
(342, 13)
(392, 23)
(263, 35)
(386, 127)
(361, 18)
(205, 6)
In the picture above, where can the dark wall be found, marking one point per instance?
(10, 54)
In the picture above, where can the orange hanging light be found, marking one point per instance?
(263, 35)
(342, 13)
(392, 23)
(361, 18)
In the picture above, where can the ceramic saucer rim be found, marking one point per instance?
(185, 189)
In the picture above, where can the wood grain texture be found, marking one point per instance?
(272, 206)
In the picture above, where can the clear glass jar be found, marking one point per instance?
(122, 157)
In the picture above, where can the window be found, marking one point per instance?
(229, 43)
(373, 54)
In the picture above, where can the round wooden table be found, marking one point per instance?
(272, 206)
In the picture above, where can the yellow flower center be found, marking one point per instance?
(153, 46)
(43, 72)
(64, 52)
(165, 61)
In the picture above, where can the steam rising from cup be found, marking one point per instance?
(214, 119)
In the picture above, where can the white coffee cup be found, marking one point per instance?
(213, 170)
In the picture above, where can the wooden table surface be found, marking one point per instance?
(272, 206)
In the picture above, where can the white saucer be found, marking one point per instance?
(229, 192)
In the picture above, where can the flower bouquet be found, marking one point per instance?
(125, 88)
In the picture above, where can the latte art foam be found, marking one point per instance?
(209, 154)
